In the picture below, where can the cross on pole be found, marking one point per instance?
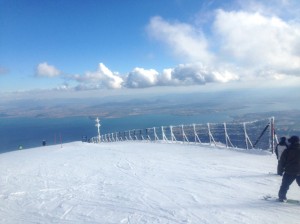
(98, 126)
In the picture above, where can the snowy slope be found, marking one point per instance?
(138, 182)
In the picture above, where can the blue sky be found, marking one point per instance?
(78, 46)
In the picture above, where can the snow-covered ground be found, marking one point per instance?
(138, 182)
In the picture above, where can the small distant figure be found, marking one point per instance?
(44, 142)
(84, 138)
(280, 147)
(289, 164)
(20, 147)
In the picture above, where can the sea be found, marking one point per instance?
(23, 132)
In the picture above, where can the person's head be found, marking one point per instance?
(294, 139)
(283, 139)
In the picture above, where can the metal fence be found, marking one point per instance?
(257, 134)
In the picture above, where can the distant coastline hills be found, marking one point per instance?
(237, 106)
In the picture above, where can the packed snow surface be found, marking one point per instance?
(139, 182)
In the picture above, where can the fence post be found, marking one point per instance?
(129, 135)
(227, 137)
(245, 134)
(184, 138)
(141, 134)
(225, 132)
(209, 134)
(155, 135)
(147, 134)
(163, 134)
(134, 135)
(196, 135)
(247, 139)
(172, 134)
(112, 137)
(272, 134)
(211, 137)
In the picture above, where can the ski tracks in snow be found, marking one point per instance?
(141, 175)
(136, 183)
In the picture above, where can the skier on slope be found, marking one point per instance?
(289, 163)
(280, 147)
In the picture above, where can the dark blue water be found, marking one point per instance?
(31, 132)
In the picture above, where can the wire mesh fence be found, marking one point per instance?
(257, 134)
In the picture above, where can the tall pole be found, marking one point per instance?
(98, 126)
(272, 133)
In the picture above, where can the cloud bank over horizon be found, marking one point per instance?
(241, 46)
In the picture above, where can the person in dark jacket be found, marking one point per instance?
(289, 164)
(280, 147)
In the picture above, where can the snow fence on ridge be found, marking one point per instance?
(258, 134)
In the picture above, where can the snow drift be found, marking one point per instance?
(139, 182)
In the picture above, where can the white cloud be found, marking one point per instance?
(141, 78)
(166, 77)
(45, 70)
(264, 44)
(288, 9)
(182, 75)
(241, 45)
(103, 77)
(186, 41)
(195, 74)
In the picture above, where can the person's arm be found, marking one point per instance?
(282, 162)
